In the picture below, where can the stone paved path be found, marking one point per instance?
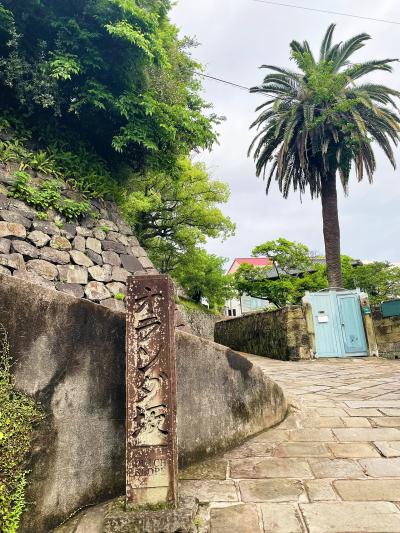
(332, 466)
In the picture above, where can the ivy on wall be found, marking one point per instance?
(18, 415)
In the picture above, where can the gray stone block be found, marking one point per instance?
(42, 268)
(38, 238)
(93, 244)
(74, 289)
(5, 245)
(97, 291)
(116, 287)
(84, 232)
(13, 261)
(107, 224)
(13, 216)
(79, 243)
(68, 230)
(55, 256)
(120, 274)
(73, 274)
(99, 234)
(24, 248)
(179, 520)
(114, 305)
(10, 229)
(114, 247)
(46, 226)
(80, 258)
(22, 208)
(96, 258)
(117, 237)
(98, 273)
(60, 243)
(131, 264)
(111, 258)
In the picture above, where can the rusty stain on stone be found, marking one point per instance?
(151, 448)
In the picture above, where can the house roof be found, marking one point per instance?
(256, 261)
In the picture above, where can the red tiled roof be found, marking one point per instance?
(256, 261)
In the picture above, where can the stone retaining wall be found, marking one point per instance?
(89, 259)
(201, 323)
(70, 356)
(280, 334)
(387, 331)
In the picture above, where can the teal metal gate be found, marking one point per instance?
(338, 324)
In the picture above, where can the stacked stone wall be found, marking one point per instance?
(280, 334)
(387, 331)
(90, 259)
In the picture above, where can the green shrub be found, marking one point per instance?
(18, 415)
(47, 195)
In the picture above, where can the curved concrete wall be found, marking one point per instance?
(70, 356)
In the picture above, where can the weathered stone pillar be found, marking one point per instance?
(369, 325)
(151, 448)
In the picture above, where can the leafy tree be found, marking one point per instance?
(285, 255)
(292, 274)
(380, 280)
(113, 71)
(173, 213)
(202, 275)
(319, 122)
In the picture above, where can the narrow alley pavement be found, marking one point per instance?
(332, 466)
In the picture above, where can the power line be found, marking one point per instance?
(223, 81)
(326, 12)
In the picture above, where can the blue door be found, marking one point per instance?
(338, 324)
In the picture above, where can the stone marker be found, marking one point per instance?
(151, 448)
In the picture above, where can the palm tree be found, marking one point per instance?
(319, 122)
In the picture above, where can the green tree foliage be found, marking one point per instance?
(112, 70)
(319, 122)
(202, 275)
(110, 94)
(292, 274)
(18, 414)
(175, 212)
(380, 280)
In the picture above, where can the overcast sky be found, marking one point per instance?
(236, 37)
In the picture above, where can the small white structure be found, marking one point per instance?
(245, 304)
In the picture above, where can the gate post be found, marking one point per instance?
(369, 325)
(151, 447)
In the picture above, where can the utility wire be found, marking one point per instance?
(223, 81)
(327, 12)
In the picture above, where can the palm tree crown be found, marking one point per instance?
(319, 122)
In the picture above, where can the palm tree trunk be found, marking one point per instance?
(330, 219)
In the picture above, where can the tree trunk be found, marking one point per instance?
(330, 219)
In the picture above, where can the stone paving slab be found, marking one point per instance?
(336, 468)
(382, 467)
(366, 435)
(281, 518)
(351, 517)
(345, 450)
(235, 519)
(272, 490)
(368, 489)
(270, 467)
(389, 449)
(332, 466)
